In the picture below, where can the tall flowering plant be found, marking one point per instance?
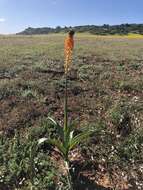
(66, 140)
(68, 50)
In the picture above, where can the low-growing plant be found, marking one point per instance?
(131, 149)
(23, 165)
(136, 66)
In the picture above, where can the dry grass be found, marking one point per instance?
(105, 84)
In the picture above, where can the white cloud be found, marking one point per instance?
(2, 20)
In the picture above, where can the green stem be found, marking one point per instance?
(31, 188)
(65, 105)
(69, 178)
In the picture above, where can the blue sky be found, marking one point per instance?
(16, 15)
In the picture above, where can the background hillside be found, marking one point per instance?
(106, 29)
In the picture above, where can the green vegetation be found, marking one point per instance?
(106, 29)
(105, 88)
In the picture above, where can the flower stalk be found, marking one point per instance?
(66, 105)
(66, 140)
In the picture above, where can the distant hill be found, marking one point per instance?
(105, 29)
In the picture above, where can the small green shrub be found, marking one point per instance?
(136, 66)
(28, 94)
(18, 169)
(131, 149)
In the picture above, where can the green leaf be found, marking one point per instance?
(42, 140)
(59, 145)
(67, 133)
(79, 138)
(58, 127)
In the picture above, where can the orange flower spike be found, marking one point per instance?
(69, 45)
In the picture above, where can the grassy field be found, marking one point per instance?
(105, 88)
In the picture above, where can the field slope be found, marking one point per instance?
(105, 87)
